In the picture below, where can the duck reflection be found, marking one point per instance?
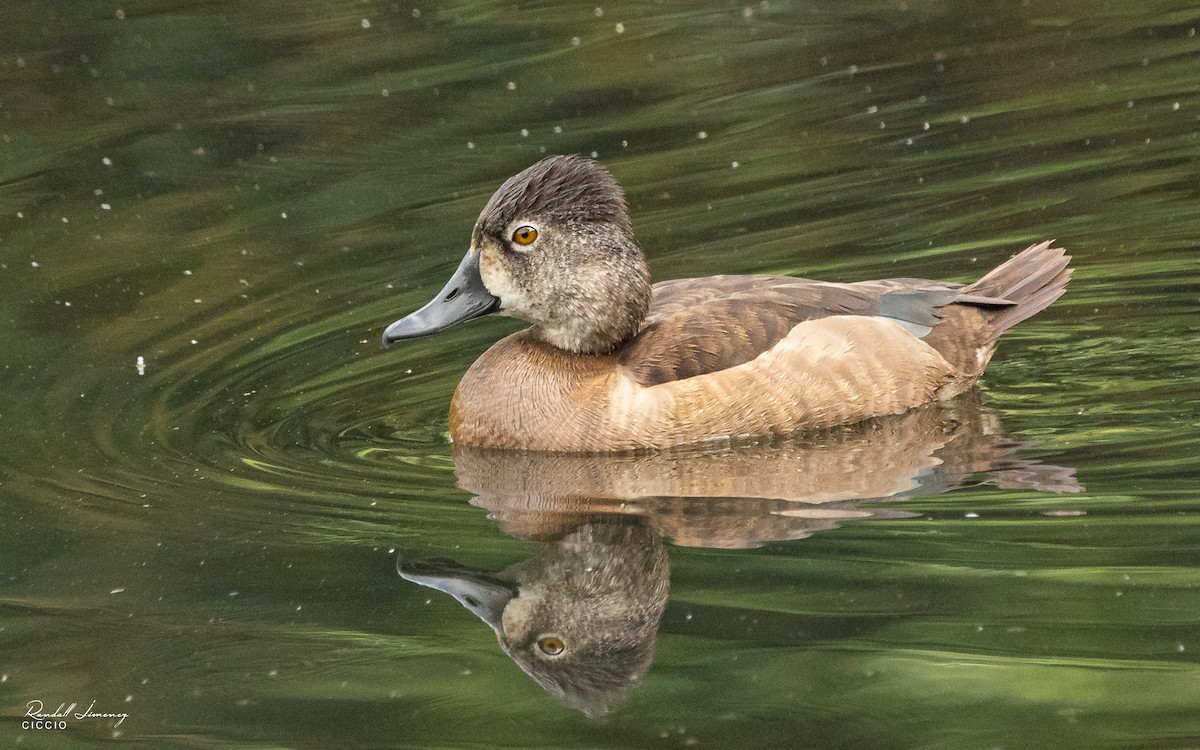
(581, 616)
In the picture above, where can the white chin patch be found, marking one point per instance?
(512, 301)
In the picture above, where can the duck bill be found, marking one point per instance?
(463, 298)
(482, 592)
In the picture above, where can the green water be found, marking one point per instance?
(241, 195)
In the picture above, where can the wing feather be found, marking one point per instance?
(700, 326)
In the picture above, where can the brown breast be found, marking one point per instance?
(525, 394)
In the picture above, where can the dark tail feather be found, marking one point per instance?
(1019, 288)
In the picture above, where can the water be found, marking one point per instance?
(211, 471)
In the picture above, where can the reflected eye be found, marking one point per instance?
(525, 235)
(550, 646)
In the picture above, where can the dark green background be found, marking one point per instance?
(244, 193)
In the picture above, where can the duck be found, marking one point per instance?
(612, 362)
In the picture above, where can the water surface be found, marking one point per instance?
(238, 197)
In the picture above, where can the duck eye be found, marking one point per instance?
(525, 235)
(550, 646)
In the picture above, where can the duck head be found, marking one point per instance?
(554, 247)
(581, 618)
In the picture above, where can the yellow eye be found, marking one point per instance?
(525, 235)
(550, 646)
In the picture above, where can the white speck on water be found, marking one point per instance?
(598, 11)
(624, 144)
(908, 142)
(595, 155)
(273, 673)
(470, 145)
(106, 206)
(734, 165)
(3, 678)
(408, 371)
(120, 14)
(970, 515)
(232, 594)
(117, 590)
(1175, 106)
(964, 119)
(702, 134)
(619, 28)
(21, 61)
(194, 342)
(576, 41)
(416, 13)
(283, 214)
(365, 23)
(1129, 104)
(524, 132)
(129, 698)
(511, 85)
(925, 126)
(688, 616)
(34, 263)
(187, 272)
(141, 365)
(557, 129)
(299, 607)
(197, 301)
(1178, 647)
(384, 93)
(20, 214)
(65, 220)
(872, 109)
(852, 69)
